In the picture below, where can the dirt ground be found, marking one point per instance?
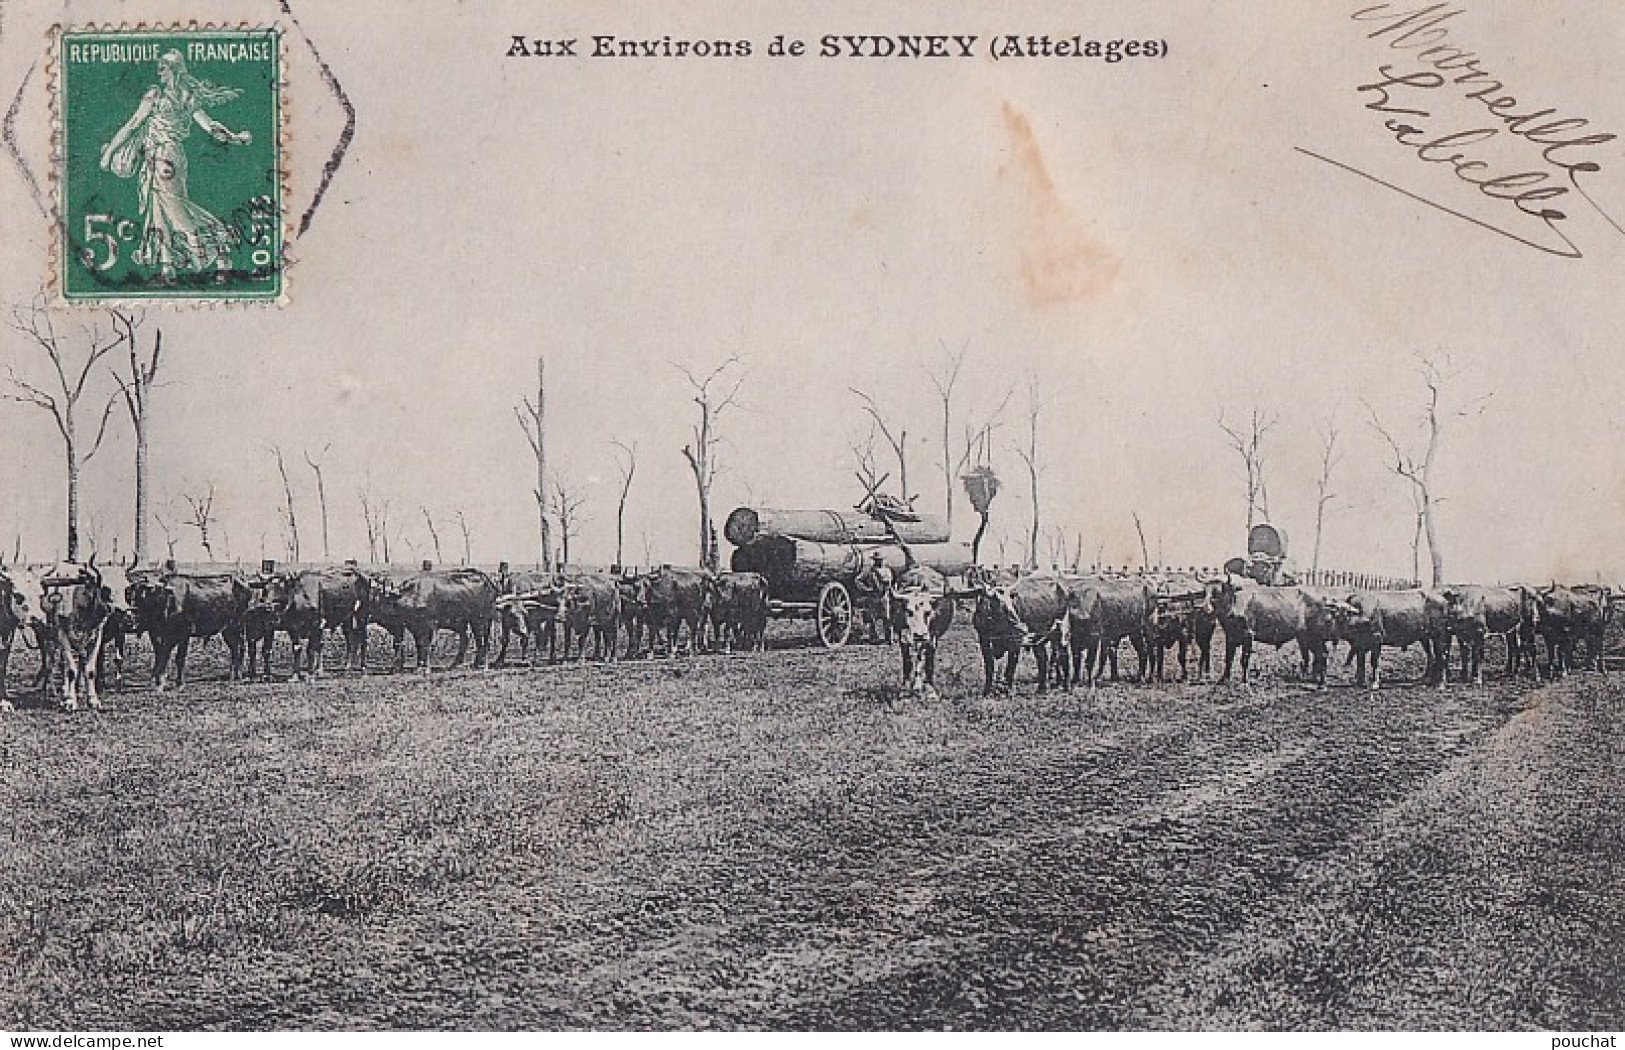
(781, 841)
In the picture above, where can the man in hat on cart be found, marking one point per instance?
(873, 585)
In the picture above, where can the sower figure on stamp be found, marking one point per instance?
(176, 234)
(873, 585)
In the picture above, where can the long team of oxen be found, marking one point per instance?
(1075, 626)
(79, 618)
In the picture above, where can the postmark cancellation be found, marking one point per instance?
(169, 164)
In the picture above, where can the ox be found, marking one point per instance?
(28, 603)
(318, 600)
(591, 605)
(1182, 618)
(174, 608)
(1473, 613)
(1373, 620)
(265, 615)
(677, 597)
(461, 600)
(20, 602)
(635, 612)
(77, 614)
(1272, 615)
(1030, 612)
(1100, 613)
(920, 611)
(528, 607)
(121, 621)
(1569, 615)
(739, 610)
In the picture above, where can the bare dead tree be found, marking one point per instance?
(462, 526)
(944, 379)
(1417, 468)
(1145, 551)
(567, 502)
(70, 380)
(1036, 404)
(1249, 445)
(626, 462)
(532, 416)
(136, 388)
(863, 456)
(383, 509)
(434, 534)
(321, 494)
(404, 538)
(200, 516)
(701, 451)
(169, 535)
(897, 438)
(1330, 457)
(1057, 546)
(290, 518)
(375, 515)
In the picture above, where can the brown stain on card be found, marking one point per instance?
(1058, 261)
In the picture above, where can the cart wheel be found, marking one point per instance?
(834, 615)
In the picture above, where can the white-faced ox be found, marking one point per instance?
(1009, 618)
(121, 622)
(1474, 613)
(1371, 621)
(920, 611)
(174, 608)
(461, 600)
(28, 609)
(1250, 613)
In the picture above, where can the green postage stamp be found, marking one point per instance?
(169, 164)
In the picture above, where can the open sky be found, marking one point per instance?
(1147, 240)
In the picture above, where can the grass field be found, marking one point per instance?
(779, 840)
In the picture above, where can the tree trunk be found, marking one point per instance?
(976, 544)
(1435, 555)
(73, 501)
(141, 497)
(321, 498)
(1032, 549)
(541, 463)
(1416, 546)
(1320, 518)
(705, 526)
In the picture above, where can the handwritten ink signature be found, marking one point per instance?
(1411, 96)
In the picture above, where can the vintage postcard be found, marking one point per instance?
(787, 517)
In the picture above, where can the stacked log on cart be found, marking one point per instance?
(811, 558)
